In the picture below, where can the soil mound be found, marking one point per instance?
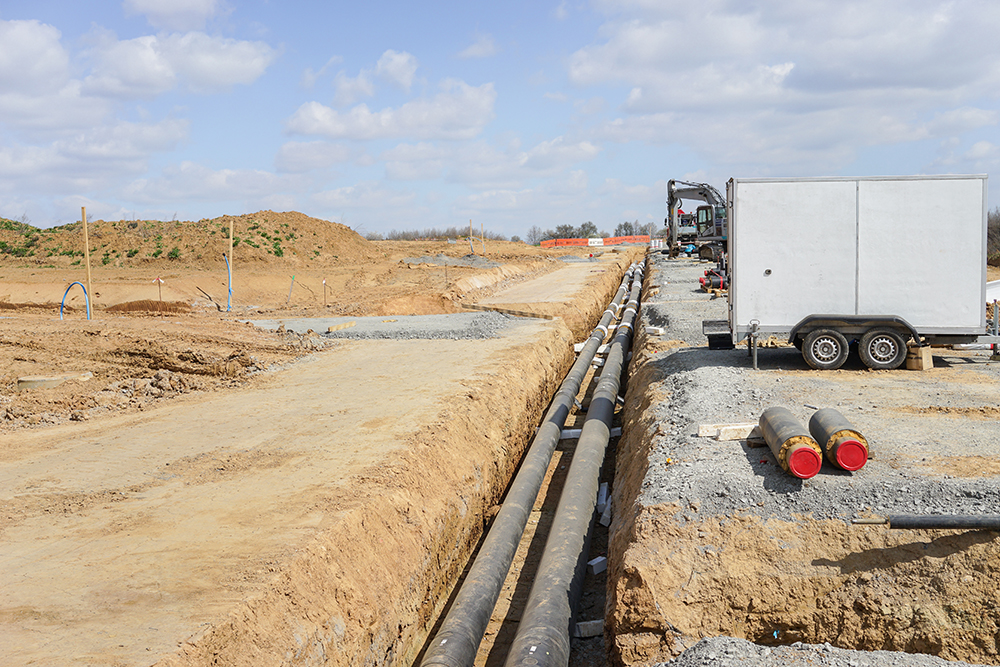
(290, 238)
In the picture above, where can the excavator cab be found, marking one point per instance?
(711, 222)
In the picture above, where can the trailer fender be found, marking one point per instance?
(851, 325)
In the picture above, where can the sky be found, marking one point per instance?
(407, 116)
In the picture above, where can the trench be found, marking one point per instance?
(714, 540)
(535, 625)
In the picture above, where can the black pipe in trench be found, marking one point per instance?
(543, 634)
(457, 642)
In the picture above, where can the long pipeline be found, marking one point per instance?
(543, 634)
(457, 642)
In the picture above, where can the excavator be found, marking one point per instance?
(712, 229)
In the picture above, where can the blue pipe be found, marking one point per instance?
(86, 298)
(229, 270)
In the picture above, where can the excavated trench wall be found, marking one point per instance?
(681, 569)
(367, 590)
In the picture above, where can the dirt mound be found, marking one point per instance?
(291, 238)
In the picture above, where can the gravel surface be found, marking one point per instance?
(720, 386)
(934, 438)
(729, 652)
(455, 326)
(475, 261)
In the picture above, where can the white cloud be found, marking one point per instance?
(89, 160)
(483, 47)
(299, 157)
(398, 68)
(365, 195)
(32, 59)
(151, 65)
(175, 14)
(189, 181)
(352, 89)
(791, 87)
(459, 111)
(309, 76)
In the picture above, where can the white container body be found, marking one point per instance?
(912, 247)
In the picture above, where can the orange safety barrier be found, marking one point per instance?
(615, 240)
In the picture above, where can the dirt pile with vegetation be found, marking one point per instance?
(288, 238)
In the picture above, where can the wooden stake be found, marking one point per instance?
(288, 300)
(86, 252)
(482, 235)
(324, 292)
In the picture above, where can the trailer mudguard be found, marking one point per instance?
(850, 324)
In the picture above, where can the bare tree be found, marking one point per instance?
(535, 235)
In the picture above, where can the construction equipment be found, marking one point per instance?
(710, 229)
(829, 262)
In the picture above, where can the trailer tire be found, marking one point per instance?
(882, 349)
(825, 349)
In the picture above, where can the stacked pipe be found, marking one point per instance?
(542, 637)
(844, 445)
(713, 280)
(457, 642)
(796, 451)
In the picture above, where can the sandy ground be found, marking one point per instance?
(219, 494)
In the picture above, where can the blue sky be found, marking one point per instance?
(402, 115)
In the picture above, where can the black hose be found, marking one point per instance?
(457, 642)
(543, 634)
(959, 522)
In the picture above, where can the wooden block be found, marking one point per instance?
(726, 431)
(339, 327)
(602, 497)
(736, 431)
(919, 358)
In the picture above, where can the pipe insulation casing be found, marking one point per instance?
(543, 634)
(844, 445)
(952, 522)
(796, 451)
(457, 641)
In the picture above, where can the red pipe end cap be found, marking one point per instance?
(804, 462)
(852, 455)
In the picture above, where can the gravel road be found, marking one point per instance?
(455, 326)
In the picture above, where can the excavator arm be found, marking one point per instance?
(680, 190)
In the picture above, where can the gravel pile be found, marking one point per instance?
(455, 326)
(730, 652)
(474, 261)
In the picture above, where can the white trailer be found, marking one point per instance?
(877, 261)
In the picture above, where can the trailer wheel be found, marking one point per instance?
(882, 349)
(825, 349)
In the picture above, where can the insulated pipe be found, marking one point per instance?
(457, 642)
(943, 522)
(844, 445)
(791, 444)
(543, 635)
